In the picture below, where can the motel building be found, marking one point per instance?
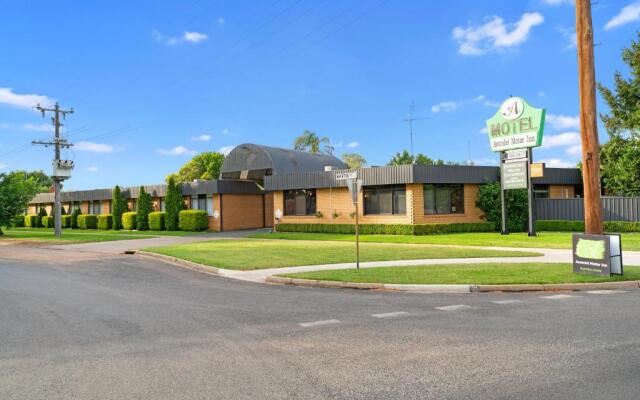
(260, 186)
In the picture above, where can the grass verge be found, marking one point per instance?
(549, 240)
(82, 236)
(249, 254)
(478, 274)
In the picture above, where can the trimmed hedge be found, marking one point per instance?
(387, 229)
(87, 221)
(31, 221)
(193, 220)
(47, 222)
(65, 221)
(18, 222)
(129, 220)
(105, 221)
(157, 220)
(578, 226)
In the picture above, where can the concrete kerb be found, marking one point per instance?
(433, 289)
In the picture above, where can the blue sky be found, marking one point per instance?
(154, 82)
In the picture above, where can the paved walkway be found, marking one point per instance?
(548, 256)
(120, 246)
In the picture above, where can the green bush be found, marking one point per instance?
(87, 221)
(578, 226)
(105, 221)
(47, 222)
(65, 221)
(129, 220)
(193, 220)
(387, 229)
(157, 220)
(74, 218)
(18, 221)
(144, 208)
(31, 221)
(42, 213)
(517, 207)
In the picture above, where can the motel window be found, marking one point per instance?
(300, 202)
(385, 200)
(210, 206)
(162, 204)
(443, 199)
(94, 207)
(541, 191)
(134, 204)
(199, 202)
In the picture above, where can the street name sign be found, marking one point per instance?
(343, 176)
(516, 125)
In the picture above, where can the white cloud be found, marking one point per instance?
(221, 22)
(187, 36)
(569, 35)
(541, 94)
(557, 2)
(94, 147)
(91, 169)
(574, 150)
(558, 163)
(176, 151)
(630, 13)
(201, 138)
(452, 105)
(558, 121)
(7, 96)
(5, 126)
(353, 144)
(37, 127)
(226, 149)
(226, 131)
(483, 131)
(561, 140)
(495, 34)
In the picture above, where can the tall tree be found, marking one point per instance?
(118, 207)
(405, 158)
(620, 156)
(15, 194)
(205, 165)
(144, 208)
(173, 204)
(311, 142)
(354, 160)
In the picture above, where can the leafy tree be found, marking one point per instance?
(205, 165)
(43, 181)
(74, 218)
(311, 142)
(118, 207)
(144, 208)
(173, 204)
(15, 194)
(620, 156)
(354, 160)
(405, 158)
(517, 206)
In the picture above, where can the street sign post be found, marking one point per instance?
(513, 131)
(355, 185)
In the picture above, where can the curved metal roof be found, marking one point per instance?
(254, 161)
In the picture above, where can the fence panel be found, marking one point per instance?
(615, 209)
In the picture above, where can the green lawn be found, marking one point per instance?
(248, 254)
(551, 240)
(83, 236)
(478, 274)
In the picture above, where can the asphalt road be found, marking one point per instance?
(123, 327)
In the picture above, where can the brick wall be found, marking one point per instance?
(242, 211)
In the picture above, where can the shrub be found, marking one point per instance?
(129, 220)
(18, 221)
(578, 226)
(65, 221)
(173, 204)
(42, 213)
(517, 207)
(157, 220)
(87, 221)
(118, 207)
(31, 221)
(105, 221)
(387, 229)
(74, 218)
(193, 220)
(144, 208)
(47, 222)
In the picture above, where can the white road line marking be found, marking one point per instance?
(558, 297)
(606, 291)
(390, 314)
(454, 307)
(510, 301)
(319, 323)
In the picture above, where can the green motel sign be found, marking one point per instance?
(516, 125)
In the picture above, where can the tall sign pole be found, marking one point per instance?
(61, 168)
(355, 186)
(588, 123)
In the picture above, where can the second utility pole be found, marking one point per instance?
(58, 143)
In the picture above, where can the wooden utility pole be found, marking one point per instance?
(588, 119)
